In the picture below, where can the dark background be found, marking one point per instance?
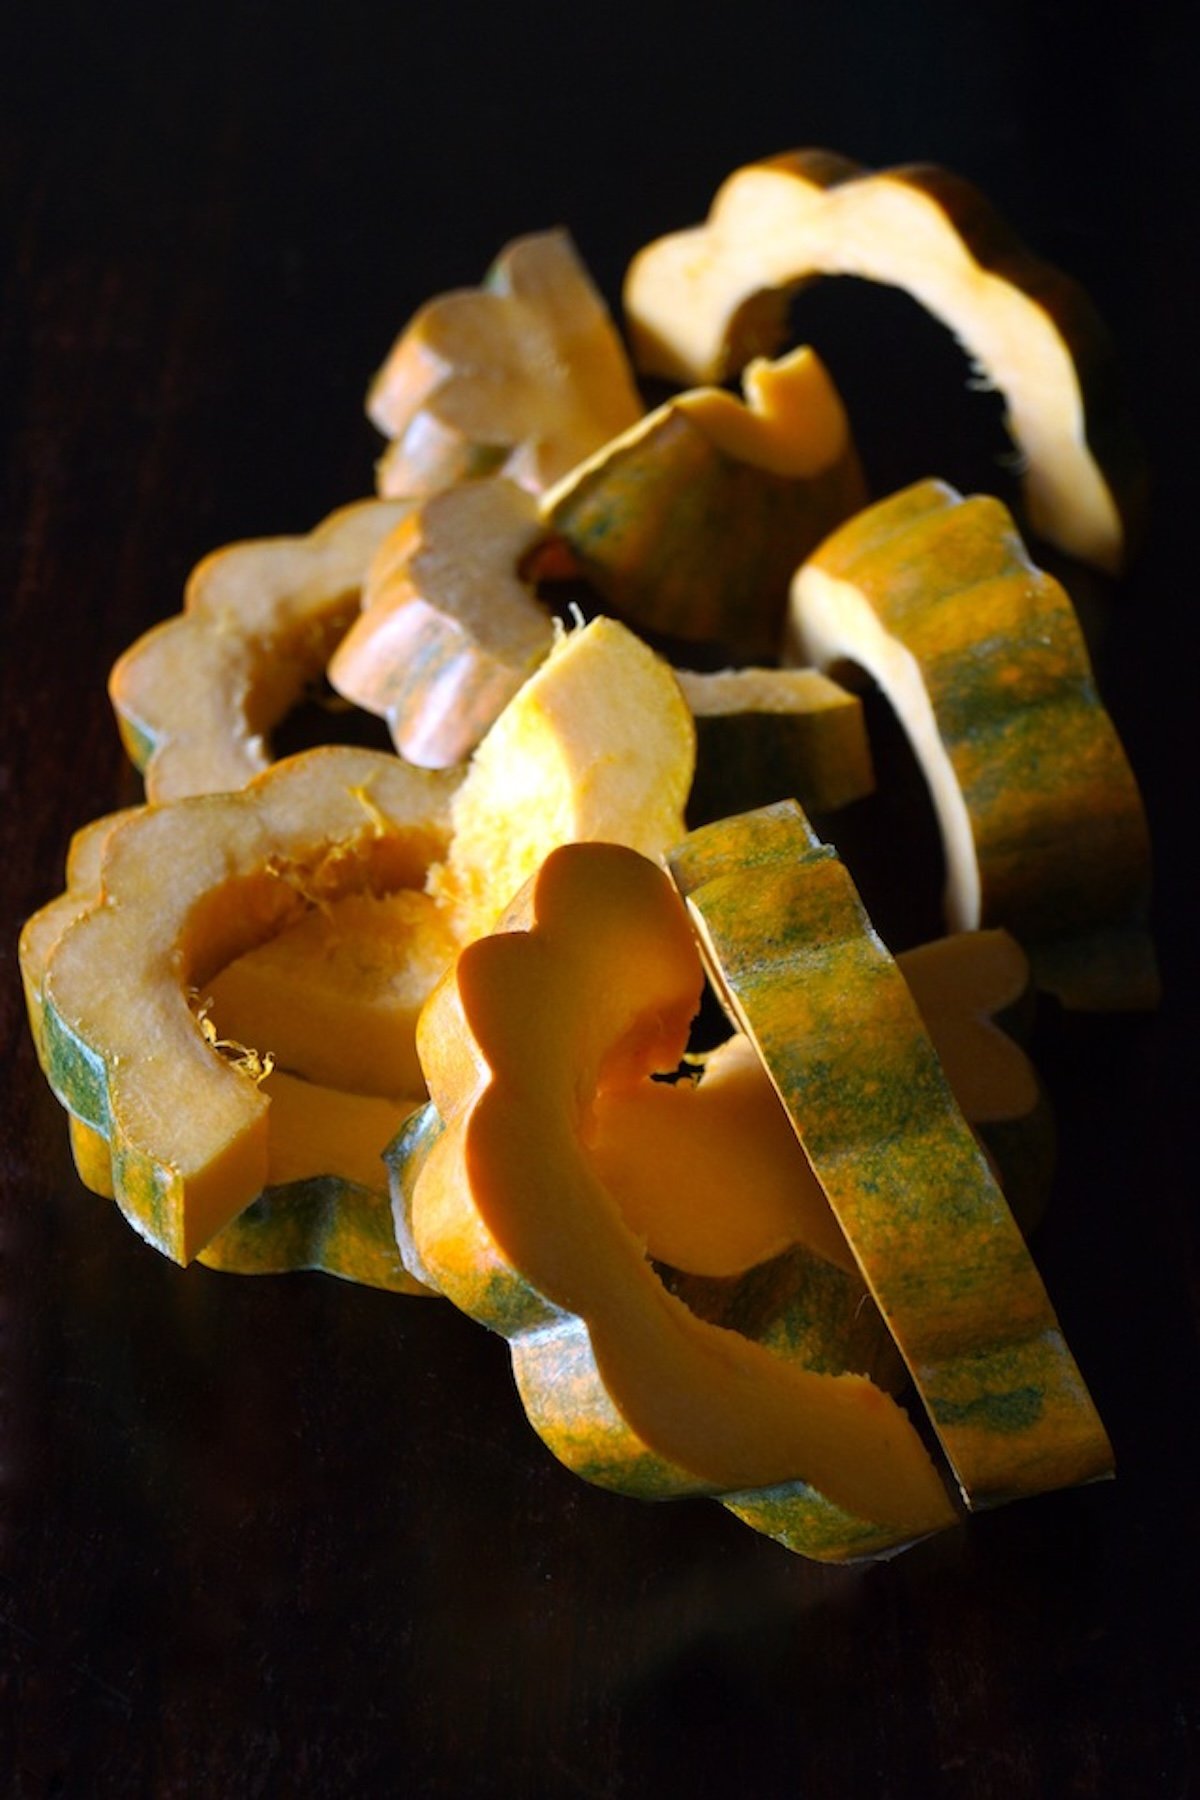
(286, 1536)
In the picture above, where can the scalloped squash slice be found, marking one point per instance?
(586, 989)
(803, 973)
(450, 625)
(197, 696)
(701, 302)
(523, 377)
(184, 888)
(982, 657)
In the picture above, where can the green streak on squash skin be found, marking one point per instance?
(515, 1227)
(404, 1158)
(563, 1392)
(1041, 818)
(684, 542)
(325, 1224)
(805, 1522)
(794, 735)
(149, 1195)
(796, 958)
(802, 1307)
(76, 1073)
(565, 1398)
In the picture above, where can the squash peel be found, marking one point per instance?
(690, 523)
(790, 949)
(983, 659)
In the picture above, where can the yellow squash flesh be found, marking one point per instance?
(701, 302)
(335, 996)
(598, 744)
(523, 377)
(126, 1053)
(197, 696)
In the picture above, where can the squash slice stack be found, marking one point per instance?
(586, 990)
(423, 1020)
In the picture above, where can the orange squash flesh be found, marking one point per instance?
(983, 659)
(708, 1172)
(586, 989)
(335, 996)
(325, 1206)
(701, 302)
(802, 972)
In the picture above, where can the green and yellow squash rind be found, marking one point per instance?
(984, 662)
(509, 1219)
(774, 734)
(803, 973)
(690, 524)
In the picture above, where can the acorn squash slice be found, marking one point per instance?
(197, 696)
(774, 734)
(325, 1206)
(586, 989)
(691, 522)
(699, 303)
(982, 658)
(802, 972)
(184, 888)
(450, 627)
(598, 744)
(705, 1164)
(522, 378)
